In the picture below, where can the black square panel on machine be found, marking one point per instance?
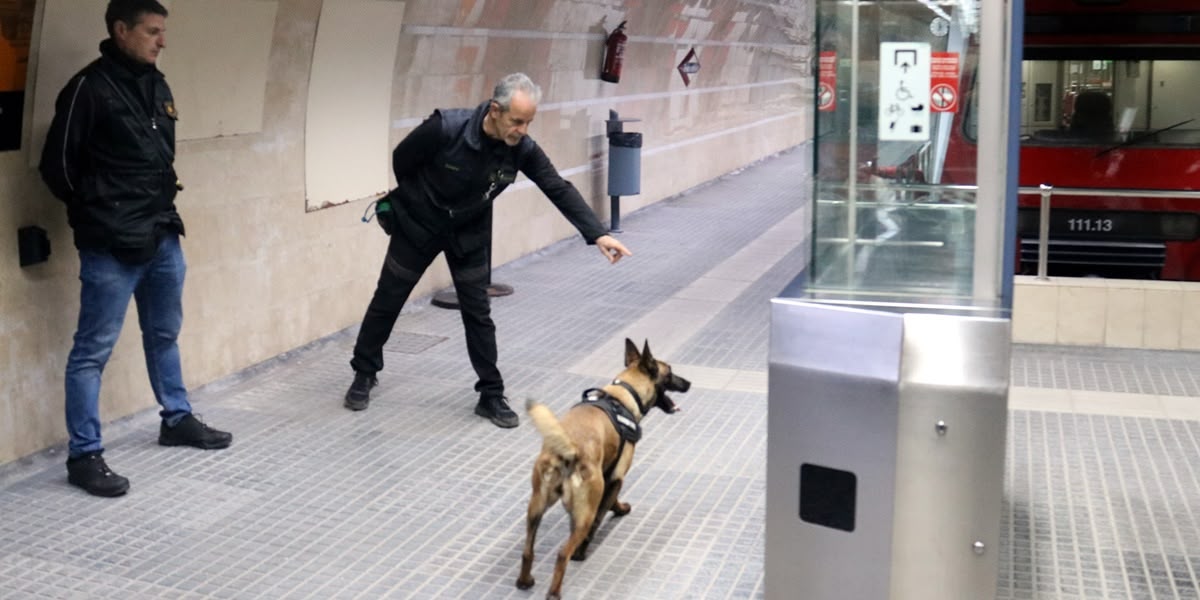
(828, 496)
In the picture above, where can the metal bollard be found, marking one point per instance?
(1044, 231)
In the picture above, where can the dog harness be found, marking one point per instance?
(628, 429)
(623, 420)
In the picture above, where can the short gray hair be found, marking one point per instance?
(503, 93)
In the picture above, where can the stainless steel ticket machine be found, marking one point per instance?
(885, 450)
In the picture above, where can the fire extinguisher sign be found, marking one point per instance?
(827, 82)
(943, 82)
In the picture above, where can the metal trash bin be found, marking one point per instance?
(624, 163)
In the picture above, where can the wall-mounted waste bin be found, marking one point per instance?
(624, 163)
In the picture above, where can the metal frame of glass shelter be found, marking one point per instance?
(889, 356)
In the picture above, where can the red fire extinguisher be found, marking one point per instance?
(614, 54)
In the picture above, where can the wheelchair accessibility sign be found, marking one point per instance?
(904, 94)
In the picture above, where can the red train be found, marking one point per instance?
(1109, 103)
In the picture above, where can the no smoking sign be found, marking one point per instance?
(943, 98)
(824, 97)
(943, 82)
(827, 82)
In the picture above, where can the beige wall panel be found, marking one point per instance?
(70, 39)
(216, 64)
(215, 61)
(349, 101)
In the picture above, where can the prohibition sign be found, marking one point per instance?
(943, 98)
(824, 96)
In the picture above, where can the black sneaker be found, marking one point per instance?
(359, 394)
(190, 431)
(88, 471)
(495, 408)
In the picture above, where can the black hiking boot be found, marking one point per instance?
(359, 394)
(89, 472)
(495, 409)
(190, 431)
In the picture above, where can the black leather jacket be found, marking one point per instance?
(110, 154)
(448, 173)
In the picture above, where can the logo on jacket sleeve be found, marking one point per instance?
(169, 107)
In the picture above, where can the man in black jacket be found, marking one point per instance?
(109, 156)
(449, 170)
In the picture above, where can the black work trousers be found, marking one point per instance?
(402, 268)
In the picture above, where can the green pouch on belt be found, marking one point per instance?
(383, 213)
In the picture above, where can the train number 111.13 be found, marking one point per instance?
(1101, 225)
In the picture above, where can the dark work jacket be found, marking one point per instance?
(110, 154)
(448, 173)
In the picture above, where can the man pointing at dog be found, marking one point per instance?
(449, 171)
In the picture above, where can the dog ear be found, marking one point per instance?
(647, 364)
(631, 353)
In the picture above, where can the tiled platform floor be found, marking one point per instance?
(419, 498)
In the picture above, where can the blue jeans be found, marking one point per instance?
(157, 287)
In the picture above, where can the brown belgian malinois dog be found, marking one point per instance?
(587, 453)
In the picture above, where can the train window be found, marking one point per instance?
(1150, 103)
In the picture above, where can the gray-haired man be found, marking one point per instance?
(449, 170)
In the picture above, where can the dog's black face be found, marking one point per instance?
(659, 372)
(675, 383)
(669, 382)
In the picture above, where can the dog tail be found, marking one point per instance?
(553, 435)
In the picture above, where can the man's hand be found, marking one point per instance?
(612, 249)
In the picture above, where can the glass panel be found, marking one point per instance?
(890, 142)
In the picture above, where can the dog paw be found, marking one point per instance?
(621, 509)
(524, 583)
(580, 554)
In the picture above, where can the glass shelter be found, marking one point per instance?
(889, 359)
